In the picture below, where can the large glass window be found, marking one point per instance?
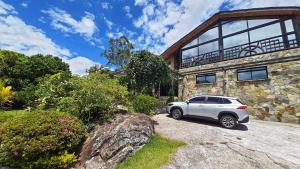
(209, 35)
(241, 38)
(265, 32)
(252, 74)
(189, 53)
(206, 78)
(236, 40)
(208, 47)
(234, 26)
(257, 22)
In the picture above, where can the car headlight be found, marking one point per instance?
(170, 104)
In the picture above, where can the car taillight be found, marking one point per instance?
(242, 107)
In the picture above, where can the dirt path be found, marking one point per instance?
(258, 144)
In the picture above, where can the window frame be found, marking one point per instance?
(251, 70)
(206, 74)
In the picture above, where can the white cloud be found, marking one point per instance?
(164, 22)
(18, 36)
(127, 11)
(63, 21)
(108, 23)
(6, 8)
(25, 5)
(80, 64)
(140, 2)
(106, 5)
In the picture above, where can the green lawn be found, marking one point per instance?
(153, 155)
(5, 115)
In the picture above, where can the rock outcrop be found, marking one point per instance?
(112, 143)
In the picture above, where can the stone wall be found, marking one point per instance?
(275, 99)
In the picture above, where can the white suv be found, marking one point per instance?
(227, 110)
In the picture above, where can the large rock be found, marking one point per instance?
(112, 143)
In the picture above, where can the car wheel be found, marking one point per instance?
(176, 114)
(228, 121)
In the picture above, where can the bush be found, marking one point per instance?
(52, 88)
(5, 93)
(40, 140)
(95, 98)
(145, 104)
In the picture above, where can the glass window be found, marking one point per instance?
(226, 101)
(259, 74)
(244, 75)
(214, 100)
(236, 40)
(197, 100)
(253, 74)
(209, 35)
(206, 78)
(234, 26)
(256, 22)
(265, 32)
(194, 42)
(189, 52)
(289, 25)
(208, 47)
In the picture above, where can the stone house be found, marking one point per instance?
(252, 54)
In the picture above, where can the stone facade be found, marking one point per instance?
(276, 98)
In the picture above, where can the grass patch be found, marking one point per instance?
(6, 115)
(153, 155)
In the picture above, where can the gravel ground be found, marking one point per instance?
(257, 144)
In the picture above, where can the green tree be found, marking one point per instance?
(146, 71)
(118, 52)
(22, 73)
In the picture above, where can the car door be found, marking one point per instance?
(195, 106)
(212, 107)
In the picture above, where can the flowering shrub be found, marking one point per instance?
(40, 140)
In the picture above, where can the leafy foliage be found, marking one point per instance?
(96, 97)
(22, 72)
(52, 88)
(145, 71)
(40, 140)
(118, 52)
(145, 104)
(5, 93)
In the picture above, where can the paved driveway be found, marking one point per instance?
(257, 144)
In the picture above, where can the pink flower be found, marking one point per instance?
(66, 130)
(15, 152)
(61, 120)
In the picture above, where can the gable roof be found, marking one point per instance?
(225, 15)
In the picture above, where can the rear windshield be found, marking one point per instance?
(239, 100)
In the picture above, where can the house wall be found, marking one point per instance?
(275, 99)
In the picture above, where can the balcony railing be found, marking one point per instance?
(272, 44)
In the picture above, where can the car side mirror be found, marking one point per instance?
(187, 102)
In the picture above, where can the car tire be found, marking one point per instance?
(176, 114)
(228, 121)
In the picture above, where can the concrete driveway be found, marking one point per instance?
(257, 144)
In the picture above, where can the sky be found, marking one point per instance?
(78, 31)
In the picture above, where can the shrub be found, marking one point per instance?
(95, 98)
(52, 88)
(40, 140)
(5, 93)
(144, 104)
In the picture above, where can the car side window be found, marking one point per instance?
(226, 101)
(197, 100)
(214, 100)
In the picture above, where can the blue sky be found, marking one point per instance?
(78, 31)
